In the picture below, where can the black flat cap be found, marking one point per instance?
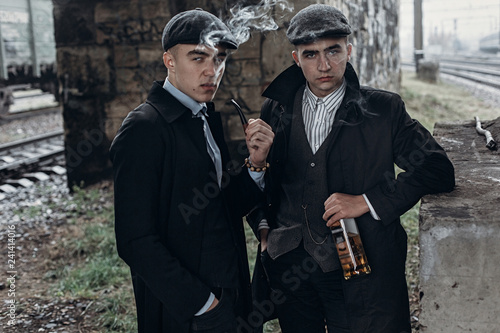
(197, 27)
(316, 21)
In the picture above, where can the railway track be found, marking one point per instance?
(28, 160)
(485, 71)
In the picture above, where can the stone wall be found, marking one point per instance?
(460, 237)
(375, 40)
(109, 52)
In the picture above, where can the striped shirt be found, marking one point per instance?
(319, 113)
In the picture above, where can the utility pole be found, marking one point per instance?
(31, 33)
(3, 63)
(418, 40)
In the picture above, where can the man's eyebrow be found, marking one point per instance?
(333, 47)
(197, 52)
(310, 51)
(206, 54)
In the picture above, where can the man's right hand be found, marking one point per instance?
(259, 137)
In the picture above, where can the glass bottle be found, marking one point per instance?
(350, 249)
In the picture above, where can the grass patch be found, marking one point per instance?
(96, 271)
(441, 102)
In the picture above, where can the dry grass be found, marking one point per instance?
(442, 102)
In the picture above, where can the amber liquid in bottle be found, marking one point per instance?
(350, 249)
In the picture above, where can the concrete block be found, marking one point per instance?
(6, 188)
(122, 105)
(126, 81)
(152, 9)
(115, 11)
(151, 54)
(428, 70)
(460, 238)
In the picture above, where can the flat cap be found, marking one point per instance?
(197, 27)
(316, 21)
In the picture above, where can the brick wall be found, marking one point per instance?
(109, 52)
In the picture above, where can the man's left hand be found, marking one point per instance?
(259, 138)
(340, 206)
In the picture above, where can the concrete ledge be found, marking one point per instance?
(460, 237)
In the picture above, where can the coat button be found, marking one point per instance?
(313, 165)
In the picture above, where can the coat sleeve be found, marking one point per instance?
(426, 168)
(138, 154)
(259, 211)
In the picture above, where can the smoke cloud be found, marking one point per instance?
(244, 19)
(255, 17)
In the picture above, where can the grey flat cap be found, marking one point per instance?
(197, 27)
(316, 21)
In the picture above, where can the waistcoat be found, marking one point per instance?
(303, 191)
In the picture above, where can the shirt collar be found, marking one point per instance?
(185, 100)
(312, 99)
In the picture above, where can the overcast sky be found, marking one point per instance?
(474, 19)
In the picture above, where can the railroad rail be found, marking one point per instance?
(485, 71)
(20, 158)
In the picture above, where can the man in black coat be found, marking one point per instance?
(333, 158)
(179, 199)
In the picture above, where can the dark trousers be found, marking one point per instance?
(313, 299)
(221, 319)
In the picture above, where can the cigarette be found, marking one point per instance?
(243, 119)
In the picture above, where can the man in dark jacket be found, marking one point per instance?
(333, 158)
(179, 199)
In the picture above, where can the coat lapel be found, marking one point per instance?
(172, 111)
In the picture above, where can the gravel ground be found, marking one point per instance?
(34, 207)
(38, 217)
(26, 127)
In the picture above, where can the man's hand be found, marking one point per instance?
(340, 206)
(259, 138)
(213, 305)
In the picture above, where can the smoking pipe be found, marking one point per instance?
(243, 119)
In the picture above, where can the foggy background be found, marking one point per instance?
(449, 26)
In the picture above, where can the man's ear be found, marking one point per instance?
(168, 60)
(295, 57)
